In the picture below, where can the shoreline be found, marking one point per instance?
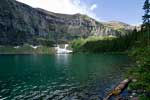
(26, 49)
(132, 93)
(138, 88)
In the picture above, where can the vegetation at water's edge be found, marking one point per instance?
(104, 44)
(26, 49)
(141, 72)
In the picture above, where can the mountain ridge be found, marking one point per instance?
(20, 24)
(119, 25)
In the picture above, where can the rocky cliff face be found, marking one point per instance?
(20, 23)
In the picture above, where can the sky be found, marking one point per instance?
(128, 11)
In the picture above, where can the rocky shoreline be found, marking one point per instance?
(123, 92)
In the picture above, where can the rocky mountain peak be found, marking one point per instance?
(20, 23)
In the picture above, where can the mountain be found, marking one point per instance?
(20, 24)
(119, 25)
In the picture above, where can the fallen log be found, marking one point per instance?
(118, 89)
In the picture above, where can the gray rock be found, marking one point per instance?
(20, 23)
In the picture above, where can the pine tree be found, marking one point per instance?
(146, 19)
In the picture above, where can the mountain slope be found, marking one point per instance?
(20, 23)
(119, 25)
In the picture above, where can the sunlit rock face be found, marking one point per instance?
(20, 23)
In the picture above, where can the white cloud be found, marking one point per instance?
(94, 6)
(64, 6)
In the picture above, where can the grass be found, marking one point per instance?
(26, 49)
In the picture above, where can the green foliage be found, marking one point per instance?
(105, 44)
(142, 70)
(26, 49)
(77, 44)
(146, 17)
(143, 97)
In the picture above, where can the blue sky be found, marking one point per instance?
(128, 11)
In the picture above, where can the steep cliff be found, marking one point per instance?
(20, 23)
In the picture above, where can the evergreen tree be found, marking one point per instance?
(146, 19)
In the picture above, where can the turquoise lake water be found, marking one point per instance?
(60, 77)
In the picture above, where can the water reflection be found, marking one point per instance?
(60, 76)
(63, 59)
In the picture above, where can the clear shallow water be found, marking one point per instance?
(60, 77)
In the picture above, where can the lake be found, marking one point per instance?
(61, 76)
